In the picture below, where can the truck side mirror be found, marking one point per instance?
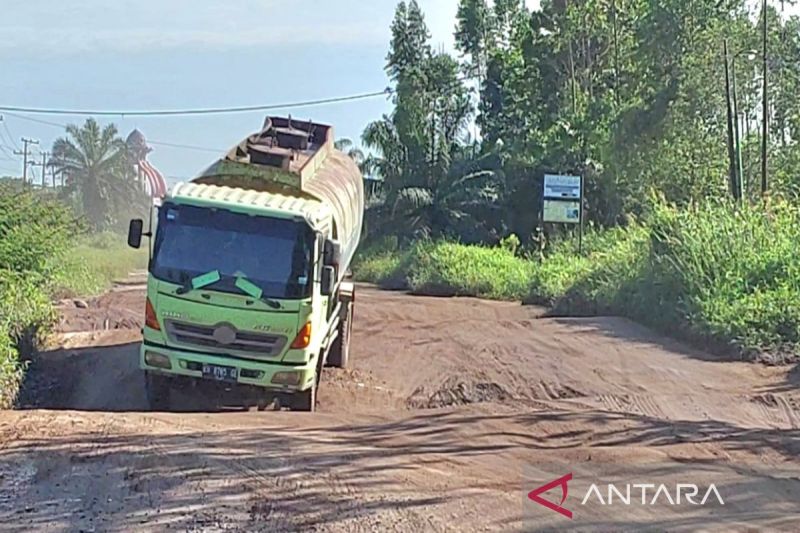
(135, 233)
(328, 280)
(332, 253)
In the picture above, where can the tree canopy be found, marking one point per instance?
(628, 93)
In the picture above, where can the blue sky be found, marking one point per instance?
(148, 54)
(160, 54)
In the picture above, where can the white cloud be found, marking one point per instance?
(75, 41)
(48, 27)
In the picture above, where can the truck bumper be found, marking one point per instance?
(274, 377)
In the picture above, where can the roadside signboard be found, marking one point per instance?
(562, 212)
(562, 199)
(562, 187)
(562, 202)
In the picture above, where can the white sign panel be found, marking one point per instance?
(566, 187)
(561, 211)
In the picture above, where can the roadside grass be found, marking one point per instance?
(450, 269)
(732, 275)
(439, 268)
(725, 277)
(92, 264)
(378, 262)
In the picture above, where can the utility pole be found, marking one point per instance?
(731, 147)
(45, 155)
(24, 153)
(43, 164)
(737, 137)
(764, 110)
(616, 51)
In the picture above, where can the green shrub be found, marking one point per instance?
(713, 272)
(732, 274)
(450, 269)
(552, 278)
(35, 230)
(444, 268)
(26, 314)
(11, 371)
(608, 279)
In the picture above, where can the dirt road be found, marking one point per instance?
(453, 411)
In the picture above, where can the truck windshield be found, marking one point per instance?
(274, 254)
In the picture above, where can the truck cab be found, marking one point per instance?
(246, 287)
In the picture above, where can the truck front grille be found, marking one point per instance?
(225, 338)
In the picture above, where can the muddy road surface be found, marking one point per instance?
(454, 410)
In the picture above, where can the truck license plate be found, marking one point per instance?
(220, 373)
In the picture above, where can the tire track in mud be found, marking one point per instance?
(474, 392)
(777, 409)
(289, 478)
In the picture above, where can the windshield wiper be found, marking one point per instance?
(198, 282)
(251, 289)
(242, 283)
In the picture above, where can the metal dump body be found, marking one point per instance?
(297, 158)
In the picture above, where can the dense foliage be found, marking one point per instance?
(34, 233)
(628, 93)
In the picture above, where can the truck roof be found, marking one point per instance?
(252, 202)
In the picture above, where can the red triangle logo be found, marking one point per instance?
(535, 495)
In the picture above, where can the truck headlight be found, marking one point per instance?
(157, 360)
(286, 378)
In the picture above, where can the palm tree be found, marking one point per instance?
(98, 172)
(348, 146)
(462, 203)
(452, 195)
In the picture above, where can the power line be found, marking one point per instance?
(158, 143)
(10, 137)
(208, 111)
(6, 150)
(40, 121)
(186, 146)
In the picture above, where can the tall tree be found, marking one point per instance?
(628, 93)
(409, 46)
(474, 34)
(418, 149)
(99, 175)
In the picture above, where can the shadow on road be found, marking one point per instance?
(631, 332)
(108, 378)
(287, 473)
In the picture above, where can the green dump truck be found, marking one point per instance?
(247, 280)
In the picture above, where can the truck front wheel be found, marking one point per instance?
(305, 400)
(339, 353)
(159, 392)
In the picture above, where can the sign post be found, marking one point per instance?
(563, 202)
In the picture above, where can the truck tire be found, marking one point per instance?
(159, 392)
(306, 400)
(339, 354)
